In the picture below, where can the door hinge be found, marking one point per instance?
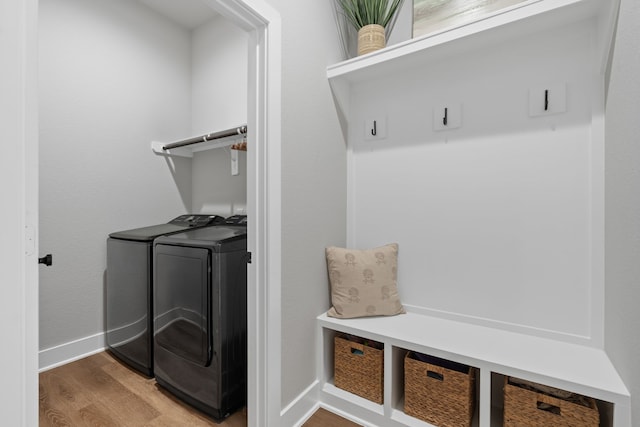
(248, 257)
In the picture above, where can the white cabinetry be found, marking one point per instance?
(510, 173)
(496, 353)
(532, 17)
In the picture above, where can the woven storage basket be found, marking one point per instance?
(528, 408)
(370, 38)
(359, 369)
(436, 394)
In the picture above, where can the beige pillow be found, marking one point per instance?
(363, 282)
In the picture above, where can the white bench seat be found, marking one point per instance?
(577, 368)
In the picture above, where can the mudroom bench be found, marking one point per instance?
(496, 354)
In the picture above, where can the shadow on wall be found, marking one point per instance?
(215, 188)
(180, 168)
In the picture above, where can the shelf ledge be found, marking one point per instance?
(578, 368)
(187, 147)
(360, 401)
(529, 17)
(157, 147)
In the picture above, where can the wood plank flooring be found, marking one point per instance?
(101, 391)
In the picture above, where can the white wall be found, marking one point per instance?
(219, 76)
(219, 101)
(623, 205)
(313, 182)
(113, 77)
(495, 220)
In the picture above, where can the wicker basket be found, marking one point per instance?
(530, 408)
(370, 38)
(439, 392)
(359, 369)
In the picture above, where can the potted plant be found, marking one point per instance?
(370, 19)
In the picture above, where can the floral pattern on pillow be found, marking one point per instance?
(364, 282)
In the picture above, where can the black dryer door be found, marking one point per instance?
(182, 302)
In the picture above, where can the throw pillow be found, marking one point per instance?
(364, 282)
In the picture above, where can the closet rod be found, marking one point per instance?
(240, 130)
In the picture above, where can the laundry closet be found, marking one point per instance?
(116, 76)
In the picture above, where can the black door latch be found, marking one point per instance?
(46, 260)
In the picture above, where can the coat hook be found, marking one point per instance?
(445, 119)
(374, 131)
(546, 100)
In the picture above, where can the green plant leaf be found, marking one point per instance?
(365, 12)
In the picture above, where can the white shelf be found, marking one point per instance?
(360, 401)
(573, 367)
(521, 19)
(525, 18)
(577, 368)
(188, 151)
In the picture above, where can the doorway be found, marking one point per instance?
(263, 200)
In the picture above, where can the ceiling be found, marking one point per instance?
(188, 13)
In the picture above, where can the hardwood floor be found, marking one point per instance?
(324, 418)
(100, 391)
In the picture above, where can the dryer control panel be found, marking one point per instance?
(197, 220)
(236, 220)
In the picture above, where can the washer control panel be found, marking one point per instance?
(197, 220)
(236, 220)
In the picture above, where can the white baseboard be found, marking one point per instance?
(68, 352)
(346, 415)
(301, 408)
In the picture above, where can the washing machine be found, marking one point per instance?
(200, 317)
(129, 288)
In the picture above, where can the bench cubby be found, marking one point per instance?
(495, 353)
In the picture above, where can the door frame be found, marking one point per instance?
(19, 189)
(263, 202)
(263, 205)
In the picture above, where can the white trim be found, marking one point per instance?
(19, 109)
(306, 416)
(346, 415)
(597, 213)
(70, 352)
(587, 340)
(263, 204)
(300, 409)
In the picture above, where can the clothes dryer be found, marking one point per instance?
(200, 317)
(129, 288)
